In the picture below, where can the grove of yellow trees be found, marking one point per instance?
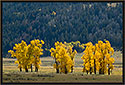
(98, 57)
(64, 57)
(28, 55)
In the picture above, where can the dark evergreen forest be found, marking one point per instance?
(73, 21)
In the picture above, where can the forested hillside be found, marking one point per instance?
(61, 21)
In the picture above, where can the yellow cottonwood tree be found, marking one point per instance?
(72, 55)
(88, 58)
(65, 61)
(63, 56)
(20, 53)
(37, 50)
(55, 54)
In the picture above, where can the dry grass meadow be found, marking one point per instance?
(48, 74)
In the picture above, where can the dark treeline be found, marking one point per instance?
(82, 21)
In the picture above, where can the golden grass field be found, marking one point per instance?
(48, 74)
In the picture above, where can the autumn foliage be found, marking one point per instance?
(64, 57)
(98, 57)
(28, 55)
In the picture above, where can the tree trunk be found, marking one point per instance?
(31, 68)
(71, 69)
(20, 69)
(94, 67)
(103, 65)
(36, 69)
(87, 72)
(100, 66)
(72, 66)
(26, 70)
(57, 69)
(108, 70)
(99, 71)
(66, 70)
(90, 70)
